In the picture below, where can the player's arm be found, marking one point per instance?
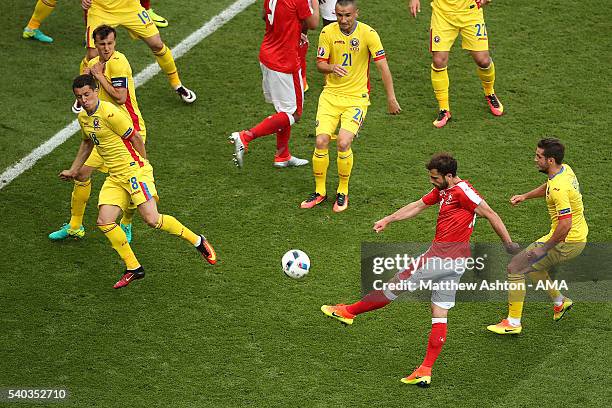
(84, 151)
(535, 193)
(138, 143)
(117, 89)
(325, 67)
(392, 104)
(408, 211)
(86, 4)
(323, 56)
(484, 210)
(312, 21)
(415, 7)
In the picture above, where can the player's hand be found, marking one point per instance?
(67, 175)
(87, 71)
(86, 4)
(303, 39)
(393, 106)
(536, 253)
(481, 3)
(380, 225)
(415, 7)
(512, 248)
(339, 70)
(517, 199)
(97, 70)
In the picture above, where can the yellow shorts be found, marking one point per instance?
(136, 188)
(333, 110)
(562, 252)
(96, 161)
(446, 26)
(136, 21)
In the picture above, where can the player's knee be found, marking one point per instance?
(151, 220)
(156, 45)
(483, 60)
(322, 142)
(343, 145)
(440, 61)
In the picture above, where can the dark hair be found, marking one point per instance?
(103, 31)
(444, 163)
(344, 3)
(552, 148)
(84, 80)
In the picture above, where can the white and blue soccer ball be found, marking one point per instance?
(295, 263)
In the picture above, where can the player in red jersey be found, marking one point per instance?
(459, 203)
(282, 77)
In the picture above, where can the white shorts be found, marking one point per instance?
(284, 91)
(436, 270)
(327, 10)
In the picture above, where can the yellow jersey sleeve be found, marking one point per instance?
(119, 70)
(559, 196)
(325, 44)
(377, 52)
(118, 122)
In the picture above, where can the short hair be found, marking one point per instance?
(344, 3)
(103, 31)
(84, 80)
(444, 163)
(552, 148)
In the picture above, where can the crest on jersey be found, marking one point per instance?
(436, 39)
(96, 124)
(354, 44)
(321, 52)
(449, 199)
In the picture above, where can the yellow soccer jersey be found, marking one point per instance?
(352, 52)
(110, 129)
(118, 72)
(564, 200)
(454, 6)
(119, 6)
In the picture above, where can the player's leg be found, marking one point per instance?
(159, 21)
(165, 60)
(78, 201)
(320, 163)
(442, 35)
(474, 37)
(345, 165)
(291, 103)
(42, 10)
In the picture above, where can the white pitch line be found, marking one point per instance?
(14, 171)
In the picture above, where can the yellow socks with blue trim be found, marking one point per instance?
(41, 11)
(78, 202)
(118, 240)
(345, 165)
(516, 298)
(320, 163)
(166, 63)
(440, 84)
(487, 77)
(171, 225)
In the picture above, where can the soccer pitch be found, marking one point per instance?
(241, 333)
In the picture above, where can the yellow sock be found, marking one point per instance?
(516, 296)
(128, 216)
(78, 202)
(83, 65)
(543, 276)
(345, 164)
(118, 240)
(166, 63)
(320, 163)
(440, 83)
(41, 12)
(170, 224)
(487, 77)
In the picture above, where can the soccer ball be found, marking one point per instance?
(295, 264)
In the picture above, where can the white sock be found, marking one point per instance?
(389, 295)
(435, 320)
(199, 242)
(559, 300)
(514, 321)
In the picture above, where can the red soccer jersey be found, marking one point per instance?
(456, 219)
(279, 49)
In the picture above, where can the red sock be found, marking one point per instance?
(372, 301)
(271, 124)
(437, 338)
(146, 4)
(282, 144)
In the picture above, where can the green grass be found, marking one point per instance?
(240, 333)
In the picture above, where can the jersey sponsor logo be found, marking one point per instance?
(96, 124)
(339, 42)
(321, 51)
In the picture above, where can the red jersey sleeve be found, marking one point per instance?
(431, 198)
(303, 9)
(469, 198)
